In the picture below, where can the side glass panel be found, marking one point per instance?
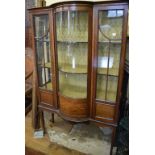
(109, 50)
(43, 53)
(72, 51)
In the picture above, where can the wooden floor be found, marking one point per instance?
(29, 151)
(42, 146)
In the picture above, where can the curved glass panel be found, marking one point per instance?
(72, 26)
(72, 51)
(72, 57)
(73, 85)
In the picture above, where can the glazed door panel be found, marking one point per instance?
(43, 52)
(108, 53)
(42, 27)
(108, 46)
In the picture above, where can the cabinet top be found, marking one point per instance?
(85, 3)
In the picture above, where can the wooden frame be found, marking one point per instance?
(108, 112)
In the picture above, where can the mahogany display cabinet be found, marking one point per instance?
(80, 55)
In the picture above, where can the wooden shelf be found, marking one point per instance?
(74, 39)
(112, 71)
(113, 42)
(80, 69)
(71, 42)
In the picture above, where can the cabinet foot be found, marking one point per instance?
(42, 121)
(112, 139)
(52, 118)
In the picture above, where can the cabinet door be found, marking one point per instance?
(72, 42)
(109, 55)
(43, 51)
(44, 61)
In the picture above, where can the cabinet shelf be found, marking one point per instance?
(108, 75)
(113, 42)
(81, 69)
(112, 72)
(71, 42)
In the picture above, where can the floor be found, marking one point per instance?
(86, 137)
(30, 151)
(43, 145)
(63, 138)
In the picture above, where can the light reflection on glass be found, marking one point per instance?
(73, 62)
(103, 62)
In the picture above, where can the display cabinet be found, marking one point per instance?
(80, 53)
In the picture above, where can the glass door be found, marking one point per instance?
(108, 54)
(72, 52)
(43, 53)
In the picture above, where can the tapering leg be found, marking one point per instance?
(52, 117)
(42, 121)
(112, 139)
(37, 121)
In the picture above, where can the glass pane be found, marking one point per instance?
(110, 25)
(73, 85)
(43, 53)
(101, 87)
(102, 58)
(112, 88)
(109, 51)
(72, 49)
(108, 61)
(72, 57)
